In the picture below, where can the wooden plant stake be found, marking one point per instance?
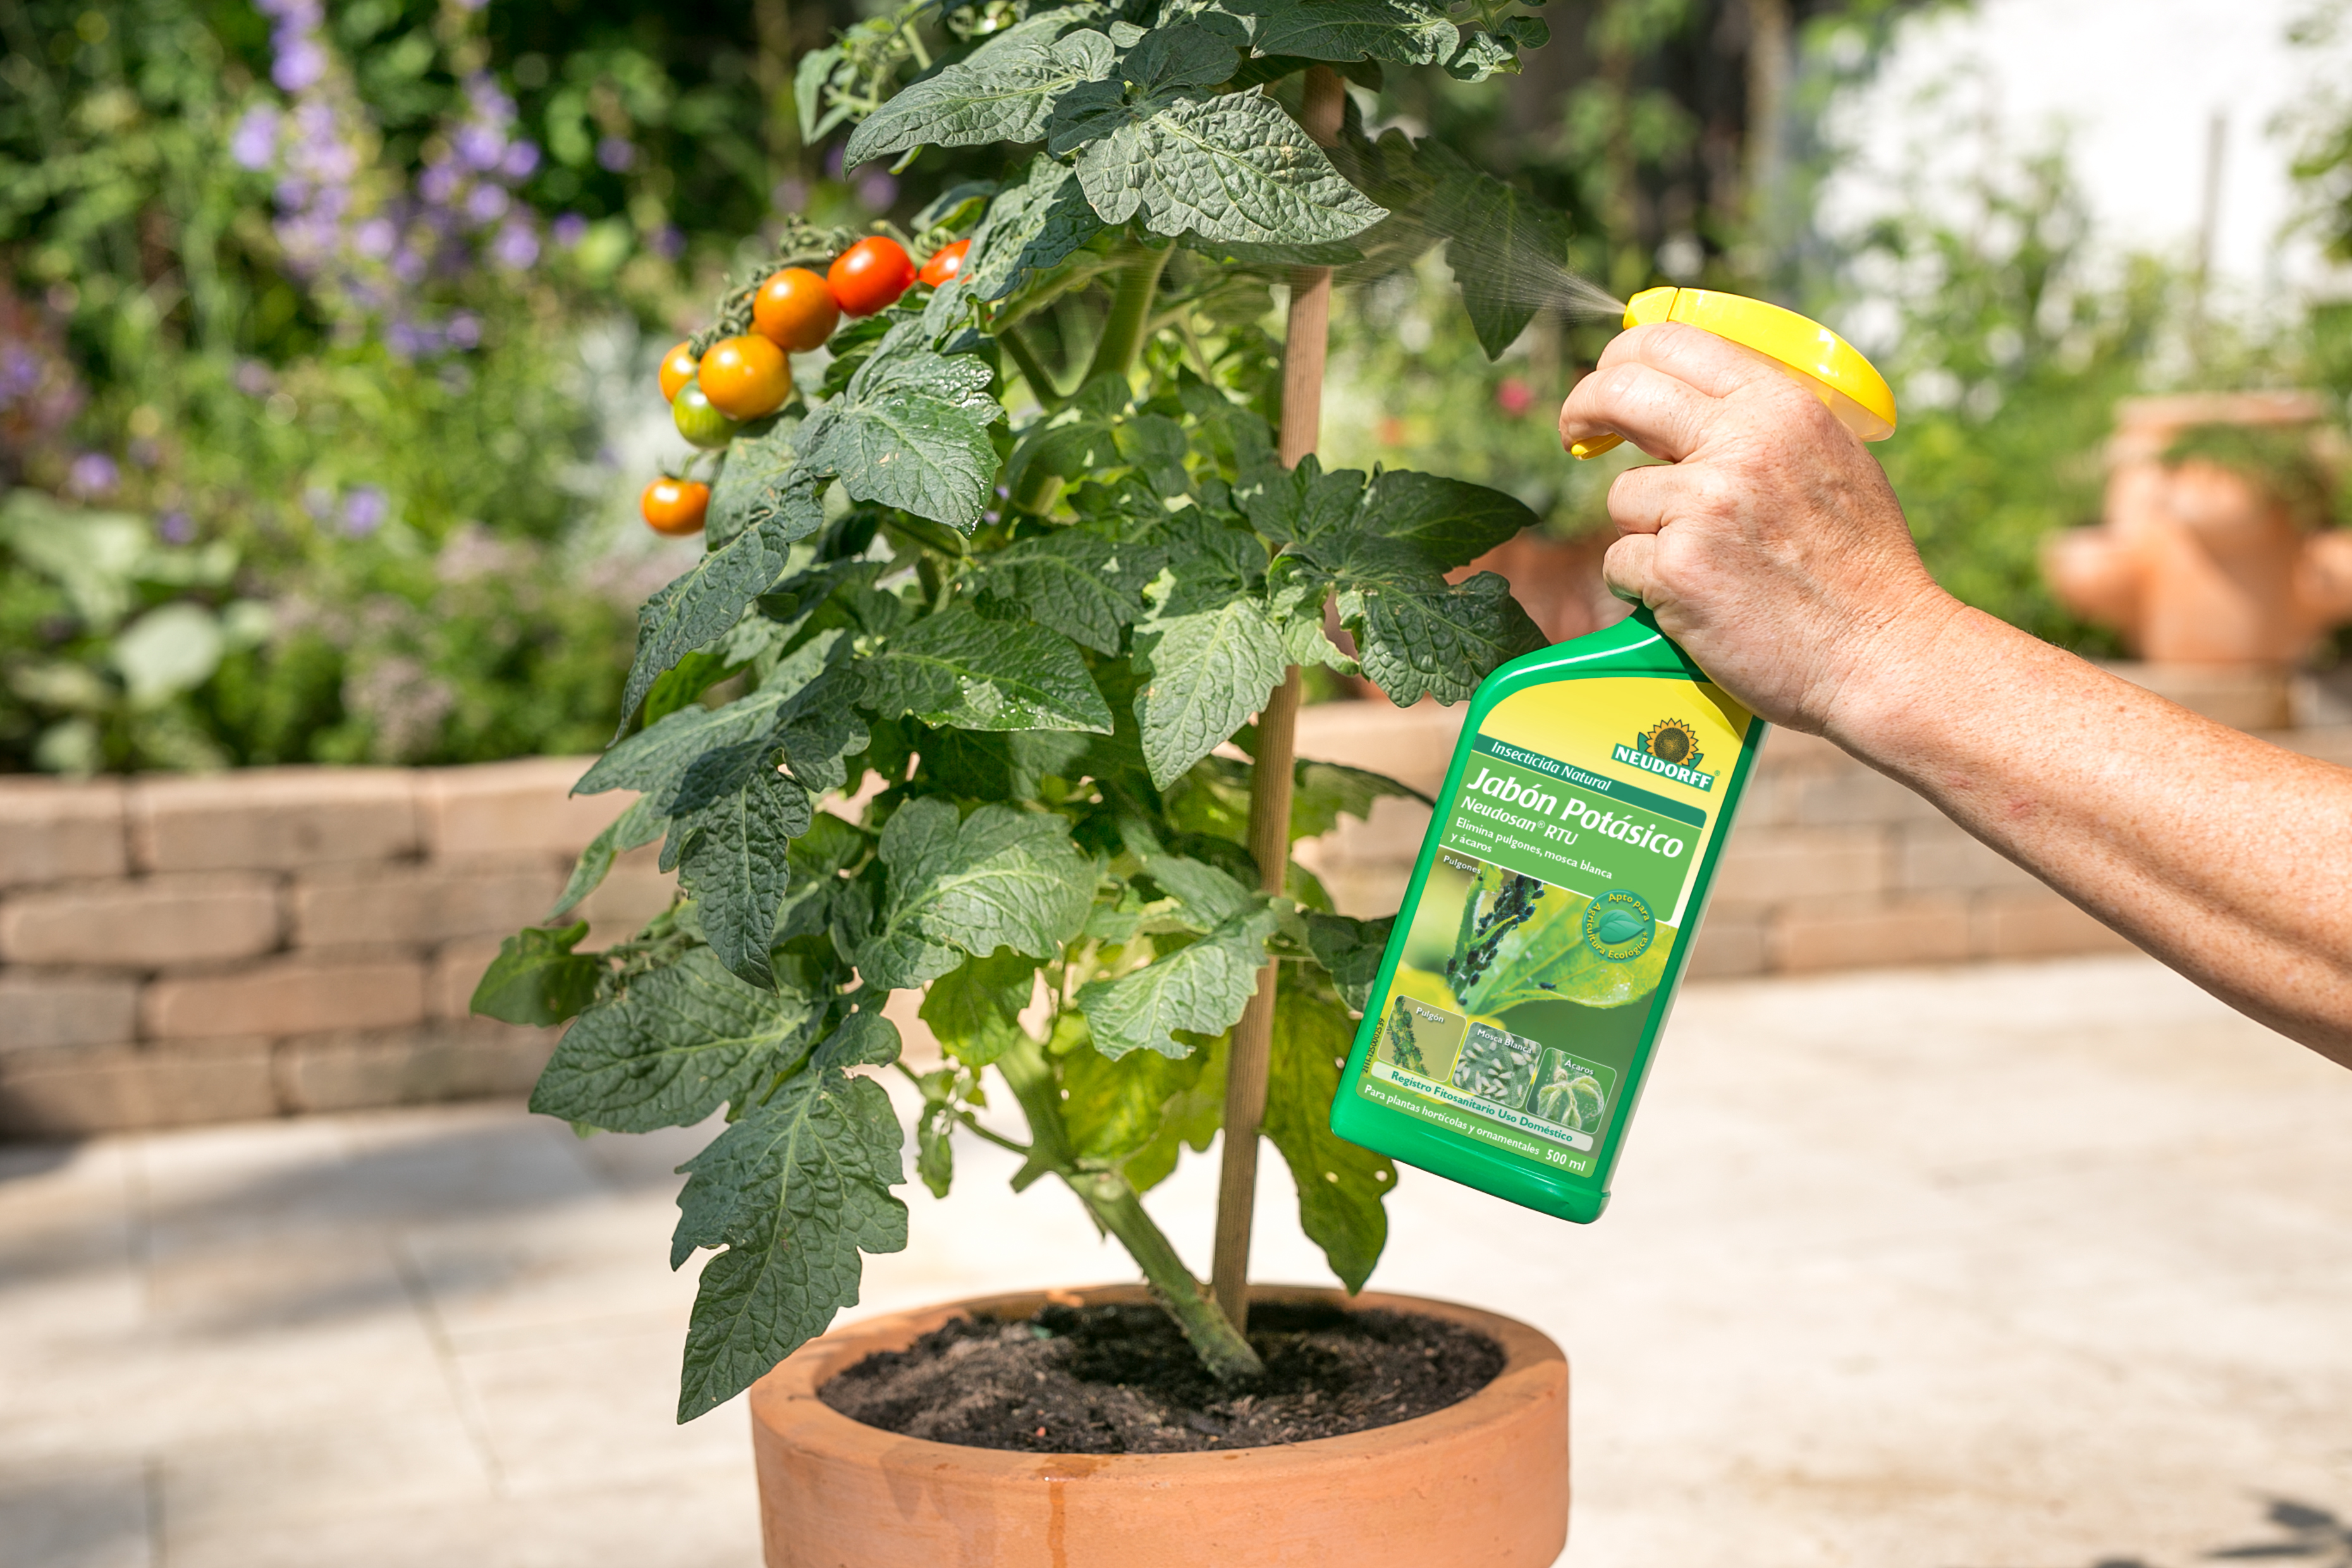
(1305, 342)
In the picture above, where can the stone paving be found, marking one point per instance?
(2034, 1267)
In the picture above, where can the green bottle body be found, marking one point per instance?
(1549, 919)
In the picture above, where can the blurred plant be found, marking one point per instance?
(121, 650)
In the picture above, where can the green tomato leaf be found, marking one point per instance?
(676, 1046)
(1210, 897)
(1341, 1185)
(1037, 224)
(1230, 167)
(934, 1130)
(1499, 238)
(658, 760)
(1417, 636)
(1004, 91)
(1321, 793)
(735, 869)
(537, 978)
(1394, 30)
(957, 668)
(1200, 989)
(639, 826)
(1480, 55)
(1351, 952)
(794, 1192)
(910, 430)
(755, 466)
(1113, 1108)
(701, 605)
(1079, 585)
(1210, 671)
(974, 1010)
(1001, 877)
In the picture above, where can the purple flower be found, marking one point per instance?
(254, 142)
(833, 161)
(486, 205)
(569, 229)
(300, 63)
(407, 341)
(668, 242)
(790, 196)
(175, 527)
(364, 511)
(479, 147)
(522, 159)
(876, 191)
(465, 330)
(92, 475)
(616, 154)
(253, 378)
(375, 238)
(20, 372)
(408, 264)
(516, 247)
(437, 183)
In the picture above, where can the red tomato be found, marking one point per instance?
(794, 309)
(675, 507)
(867, 278)
(745, 377)
(945, 263)
(677, 370)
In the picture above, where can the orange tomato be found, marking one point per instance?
(867, 278)
(794, 310)
(945, 263)
(677, 370)
(675, 507)
(745, 377)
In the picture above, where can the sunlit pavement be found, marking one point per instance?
(2036, 1266)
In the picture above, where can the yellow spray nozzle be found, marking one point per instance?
(1835, 371)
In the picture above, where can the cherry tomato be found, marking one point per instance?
(794, 309)
(745, 377)
(868, 277)
(677, 370)
(675, 507)
(945, 263)
(702, 424)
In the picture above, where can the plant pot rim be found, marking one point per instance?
(785, 1403)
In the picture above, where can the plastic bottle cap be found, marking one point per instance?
(1848, 383)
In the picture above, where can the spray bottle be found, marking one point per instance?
(1549, 918)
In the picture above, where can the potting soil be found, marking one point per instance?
(1121, 1379)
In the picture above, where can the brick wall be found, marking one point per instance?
(278, 941)
(1832, 866)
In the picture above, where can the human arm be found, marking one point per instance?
(1774, 552)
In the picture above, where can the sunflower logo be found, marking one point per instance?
(1672, 740)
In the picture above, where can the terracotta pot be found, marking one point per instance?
(1483, 1482)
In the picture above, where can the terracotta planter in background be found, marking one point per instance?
(1481, 1484)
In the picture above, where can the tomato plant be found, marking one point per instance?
(869, 276)
(945, 263)
(675, 507)
(1026, 605)
(677, 368)
(745, 377)
(795, 310)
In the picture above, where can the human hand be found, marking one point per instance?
(1773, 548)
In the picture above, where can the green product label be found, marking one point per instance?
(1535, 944)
